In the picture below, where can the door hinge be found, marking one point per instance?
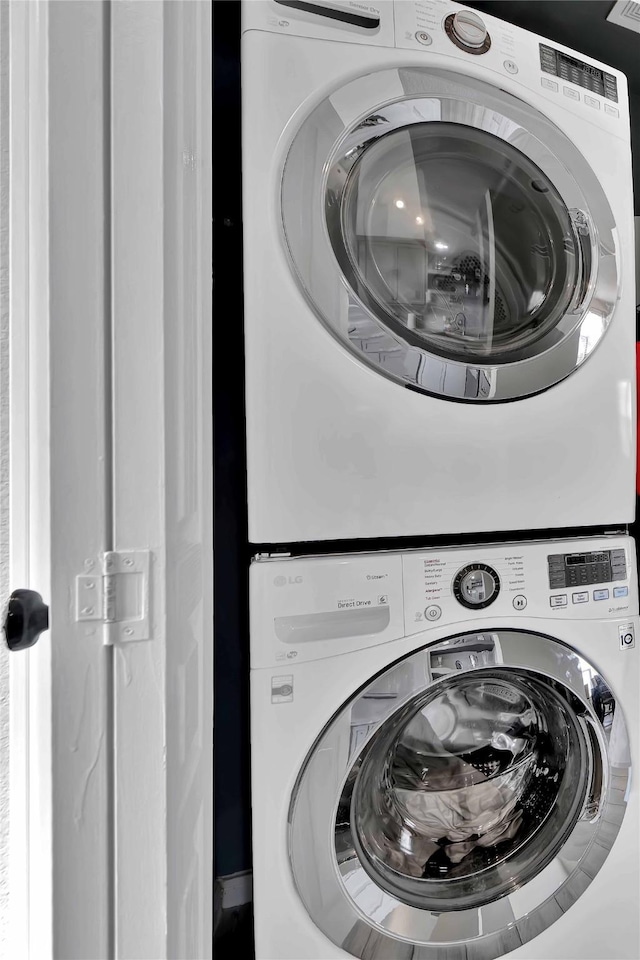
(117, 594)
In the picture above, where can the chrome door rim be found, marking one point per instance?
(342, 916)
(483, 107)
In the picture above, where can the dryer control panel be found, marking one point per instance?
(442, 29)
(442, 32)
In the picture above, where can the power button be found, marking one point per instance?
(627, 635)
(423, 38)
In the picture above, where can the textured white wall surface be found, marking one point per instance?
(4, 473)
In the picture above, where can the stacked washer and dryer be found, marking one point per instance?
(439, 332)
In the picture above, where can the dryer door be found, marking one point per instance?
(453, 237)
(480, 792)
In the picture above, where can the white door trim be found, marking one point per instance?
(163, 464)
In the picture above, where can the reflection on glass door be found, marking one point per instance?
(468, 233)
(458, 237)
(491, 769)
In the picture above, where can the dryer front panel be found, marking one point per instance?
(467, 796)
(449, 234)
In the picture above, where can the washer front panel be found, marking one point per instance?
(456, 777)
(451, 236)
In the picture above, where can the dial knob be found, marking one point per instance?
(469, 29)
(476, 586)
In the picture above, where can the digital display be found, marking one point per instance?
(575, 71)
(574, 64)
(587, 558)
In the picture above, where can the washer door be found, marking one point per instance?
(462, 801)
(452, 236)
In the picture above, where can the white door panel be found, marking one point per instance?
(59, 482)
(162, 469)
(111, 313)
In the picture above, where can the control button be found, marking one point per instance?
(549, 84)
(572, 94)
(560, 600)
(423, 38)
(510, 66)
(592, 102)
(621, 591)
(600, 594)
(520, 602)
(580, 597)
(627, 634)
(610, 87)
(433, 612)
(612, 111)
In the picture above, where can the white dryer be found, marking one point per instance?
(442, 753)
(439, 275)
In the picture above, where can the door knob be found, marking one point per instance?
(26, 618)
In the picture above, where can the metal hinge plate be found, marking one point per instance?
(116, 595)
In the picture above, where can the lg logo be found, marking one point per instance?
(283, 581)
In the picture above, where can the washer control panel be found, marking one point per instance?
(307, 608)
(573, 579)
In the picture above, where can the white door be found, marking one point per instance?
(111, 452)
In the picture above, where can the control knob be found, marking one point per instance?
(468, 31)
(469, 28)
(476, 586)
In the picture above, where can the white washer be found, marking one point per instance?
(439, 275)
(442, 744)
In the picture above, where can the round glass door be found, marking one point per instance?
(474, 782)
(453, 237)
(466, 796)
(457, 241)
